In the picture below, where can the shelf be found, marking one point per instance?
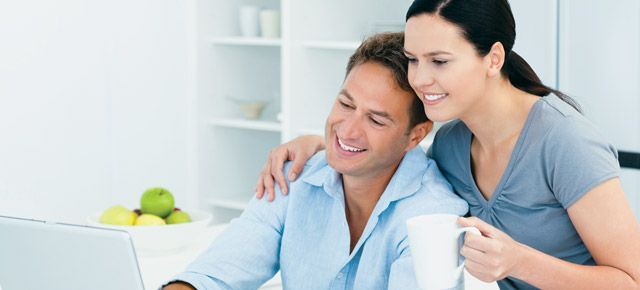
(238, 203)
(332, 45)
(259, 125)
(246, 41)
(310, 132)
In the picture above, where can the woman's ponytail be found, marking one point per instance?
(522, 76)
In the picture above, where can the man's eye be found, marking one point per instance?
(345, 105)
(375, 122)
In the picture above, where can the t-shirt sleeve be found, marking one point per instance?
(430, 152)
(577, 159)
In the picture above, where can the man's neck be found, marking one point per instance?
(361, 194)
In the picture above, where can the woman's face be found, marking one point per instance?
(444, 68)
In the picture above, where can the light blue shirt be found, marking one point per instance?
(305, 234)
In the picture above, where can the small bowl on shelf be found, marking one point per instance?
(163, 239)
(252, 109)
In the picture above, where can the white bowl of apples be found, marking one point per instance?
(158, 227)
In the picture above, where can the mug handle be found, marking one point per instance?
(474, 230)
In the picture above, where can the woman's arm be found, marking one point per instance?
(298, 150)
(605, 223)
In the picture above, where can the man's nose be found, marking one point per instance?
(351, 128)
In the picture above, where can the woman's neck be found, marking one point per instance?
(500, 115)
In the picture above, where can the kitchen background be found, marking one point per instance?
(100, 100)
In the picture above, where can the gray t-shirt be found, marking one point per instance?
(559, 156)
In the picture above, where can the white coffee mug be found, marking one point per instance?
(270, 23)
(433, 240)
(249, 20)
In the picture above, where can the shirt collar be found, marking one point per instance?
(405, 181)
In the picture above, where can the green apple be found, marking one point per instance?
(149, 220)
(157, 201)
(118, 215)
(178, 217)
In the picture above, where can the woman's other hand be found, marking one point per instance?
(492, 256)
(298, 150)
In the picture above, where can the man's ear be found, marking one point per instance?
(495, 59)
(418, 133)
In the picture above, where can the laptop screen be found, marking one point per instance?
(39, 255)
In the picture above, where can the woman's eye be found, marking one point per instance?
(412, 59)
(439, 61)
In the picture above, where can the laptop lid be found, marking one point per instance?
(36, 255)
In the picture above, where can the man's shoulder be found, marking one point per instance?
(434, 195)
(315, 163)
(313, 171)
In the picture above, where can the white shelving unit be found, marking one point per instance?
(298, 74)
(247, 124)
(333, 45)
(240, 41)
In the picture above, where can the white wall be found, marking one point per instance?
(599, 56)
(93, 104)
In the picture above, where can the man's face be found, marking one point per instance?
(367, 129)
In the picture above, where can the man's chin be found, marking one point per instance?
(344, 167)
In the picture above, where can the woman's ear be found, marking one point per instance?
(495, 59)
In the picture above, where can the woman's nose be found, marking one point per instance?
(421, 77)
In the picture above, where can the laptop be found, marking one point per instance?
(37, 255)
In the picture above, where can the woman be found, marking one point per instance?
(542, 186)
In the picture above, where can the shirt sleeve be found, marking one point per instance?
(577, 159)
(245, 255)
(402, 275)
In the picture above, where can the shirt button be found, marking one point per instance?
(339, 275)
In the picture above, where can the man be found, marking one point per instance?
(342, 225)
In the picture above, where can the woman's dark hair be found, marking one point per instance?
(483, 23)
(387, 49)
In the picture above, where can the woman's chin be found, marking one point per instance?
(440, 116)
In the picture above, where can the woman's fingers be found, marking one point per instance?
(477, 242)
(299, 151)
(472, 254)
(479, 271)
(269, 185)
(277, 169)
(296, 167)
(260, 187)
(495, 254)
(486, 229)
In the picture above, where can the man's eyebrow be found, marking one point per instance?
(437, 52)
(374, 112)
(346, 94)
(382, 114)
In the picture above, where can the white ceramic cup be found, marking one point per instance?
(270, 23)
(249, 20)
(435, 247)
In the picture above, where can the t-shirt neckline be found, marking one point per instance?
(515, 154)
